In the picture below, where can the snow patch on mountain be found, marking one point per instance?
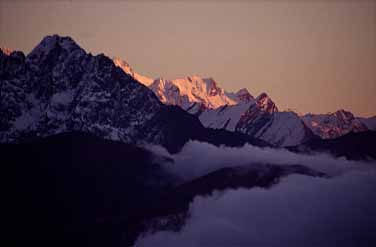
(369, 122)
(261, 119)
(284, 129)
(224, 117)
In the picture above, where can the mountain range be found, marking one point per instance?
(58, 87)
(241, 112)
(78, 134)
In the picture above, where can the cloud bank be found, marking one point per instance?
(299, 211)
(199, 158)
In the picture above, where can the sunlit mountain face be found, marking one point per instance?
(165, 124)
(240, 111)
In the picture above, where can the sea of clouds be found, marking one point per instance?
(199, 158)
(299, 211)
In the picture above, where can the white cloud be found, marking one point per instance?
(300, 211)
(198, 158)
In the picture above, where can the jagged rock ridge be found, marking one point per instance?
(59, 87)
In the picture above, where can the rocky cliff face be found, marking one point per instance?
(59, 87)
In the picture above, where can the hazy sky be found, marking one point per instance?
(310, 56)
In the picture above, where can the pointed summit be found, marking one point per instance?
(266, 103)
(241, 96)
(51, 47)
(262, 96)
(242, 91)
(344, 115)
(244, 96)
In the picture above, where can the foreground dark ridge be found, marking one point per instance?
(354, 146)
(78, 189)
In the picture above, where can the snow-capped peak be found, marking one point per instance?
(344, 115)
(184, 91)
(189, 90)
(265, 103)
(202, 90)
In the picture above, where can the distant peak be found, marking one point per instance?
(243, 95)
(344, 114)
(262, 96)
(266, 103)
(342, 111)
(242, 91)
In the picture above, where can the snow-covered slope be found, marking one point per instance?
(187, 91)
(284, 129)
(261, 119)
(333, 125)
(224, 117)
(238, 111)
(369, 122)
(192, 89)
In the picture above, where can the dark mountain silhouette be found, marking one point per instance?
(59, 87)
(355, 146)
(78, 189)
